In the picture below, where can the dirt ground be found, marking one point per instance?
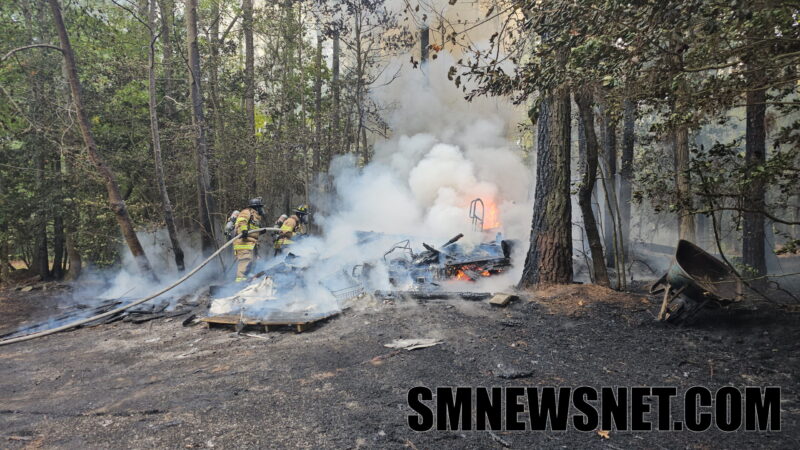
(161, 385)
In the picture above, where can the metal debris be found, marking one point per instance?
(510, 372)
(413, 344)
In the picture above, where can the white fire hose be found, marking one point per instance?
(80, 322)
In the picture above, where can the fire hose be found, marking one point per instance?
(80, 322)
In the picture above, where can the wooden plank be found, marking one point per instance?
(278, 319)
(502, 299)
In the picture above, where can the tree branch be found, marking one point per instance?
(757, 211)
(25, 47)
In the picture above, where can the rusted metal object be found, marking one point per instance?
(694, 280)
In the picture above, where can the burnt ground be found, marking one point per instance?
(160, 385)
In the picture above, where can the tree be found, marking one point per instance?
(609, 137)
(115, 200)
(626, 163)
(169, 219)
(166, 8)
(249, 92)
(549, 258)
(584, 100)
(753, 239)
(205, 201)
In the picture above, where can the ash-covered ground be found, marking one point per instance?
(161, 385)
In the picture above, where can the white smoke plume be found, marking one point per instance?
(443, 153)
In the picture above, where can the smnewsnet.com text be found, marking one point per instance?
(584, 408)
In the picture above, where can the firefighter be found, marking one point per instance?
(292, 227)
(244, 247)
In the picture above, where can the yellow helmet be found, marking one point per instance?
(301, 210)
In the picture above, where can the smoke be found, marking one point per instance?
(127, 282)
(443, 153)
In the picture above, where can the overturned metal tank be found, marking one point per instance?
(694, 280)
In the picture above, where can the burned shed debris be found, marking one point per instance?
(284, 294)
(450, 261)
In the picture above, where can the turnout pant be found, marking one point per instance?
(244, 258)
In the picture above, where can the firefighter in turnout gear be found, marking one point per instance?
(291, 228)
(244, 247)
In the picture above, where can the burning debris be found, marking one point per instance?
(284, 292)
(451, 262)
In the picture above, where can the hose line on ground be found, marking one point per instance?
(80, 322)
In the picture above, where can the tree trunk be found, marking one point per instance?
(626, 171)
(424, 43)
(753, 252)
(335, 132)
(74, 257)
(58, 221)
(166, 205)
(40, 212)
(72, 215)
(365, 149)
(167, 8)
(40, 261)
(114, 198)
(318, 106)
(205, 202)
(610, 154)
(359, 85)
(686, 228)
(549, 258)
(584, 101)
(249, 92)
(5, 265)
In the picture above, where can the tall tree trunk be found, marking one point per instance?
(583, 98)
(40, 262)
(336, 88)
(365, 149)
(249, 91)
(167, 8)
(58, 220)
(753, 252)
(357, 38)
(115, 200)
(73, 256)
(5, 265)
(610, 155)
(215, 108)
(424, 43)
(318, 106)
(205, 202)
(166, 205)
(686, 227)
(626, 170)
(549, 258)
(72, 215)
(40, 213)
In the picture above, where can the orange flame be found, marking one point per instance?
(460, 275)
(491, 218)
